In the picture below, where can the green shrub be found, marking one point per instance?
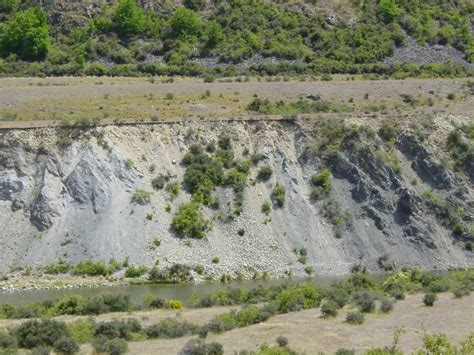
(174, 274)
(35, 333)
(92, 269)
(133, 271)
(141, 197)
(66, 346)
(266, 208)
(278, 195)
(159, 182)
(355, 318)
(365, 300)
(215, 260)
(55, 268)
(329, 309)
(189, 222)
(264, 173)
(117, 329)
(282, 341)
(388, 132)
(296, 298)
(429, 299)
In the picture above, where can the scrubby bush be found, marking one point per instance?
(114, 346)
(92, 269)
(365, 300)
(133, 271)
(282, 341)
(297, 298)
(429, 299)
(35, 333)
(170, 328)
(386, 305)
(329, 309)
(264, 173)
(388, 132)
(189, 222)
(160, 181)
(266, 208)
(460, 292)
(278, 195)
(117, 329)
(185, 23)
(355, 318)
(141, 197)
(66, 346)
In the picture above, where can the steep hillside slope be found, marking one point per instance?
(352, 195)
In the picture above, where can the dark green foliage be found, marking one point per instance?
(278, 195)
(189, 222)
(329, 309)
(170, 328)
(345, 352)
(66, 346)
(282, 341)
(35, 333)
(429, 299)
(321, 183)
(141, 197)
(117, 329)
(27, 35)
(160, 181)
(264, 173)
(355, 318)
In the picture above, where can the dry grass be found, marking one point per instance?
(23, 99)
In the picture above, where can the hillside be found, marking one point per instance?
(319, 193)
(239, 37)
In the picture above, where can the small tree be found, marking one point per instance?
(27, 35)
(128, 18)
(185, 23)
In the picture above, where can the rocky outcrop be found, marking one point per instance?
(75, 203)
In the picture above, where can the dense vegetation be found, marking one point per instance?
(360, 292)
(124, 39)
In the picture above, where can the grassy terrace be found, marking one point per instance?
(89, 99)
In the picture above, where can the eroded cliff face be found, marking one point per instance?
(389, 204)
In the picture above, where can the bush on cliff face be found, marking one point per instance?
(189, 222)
